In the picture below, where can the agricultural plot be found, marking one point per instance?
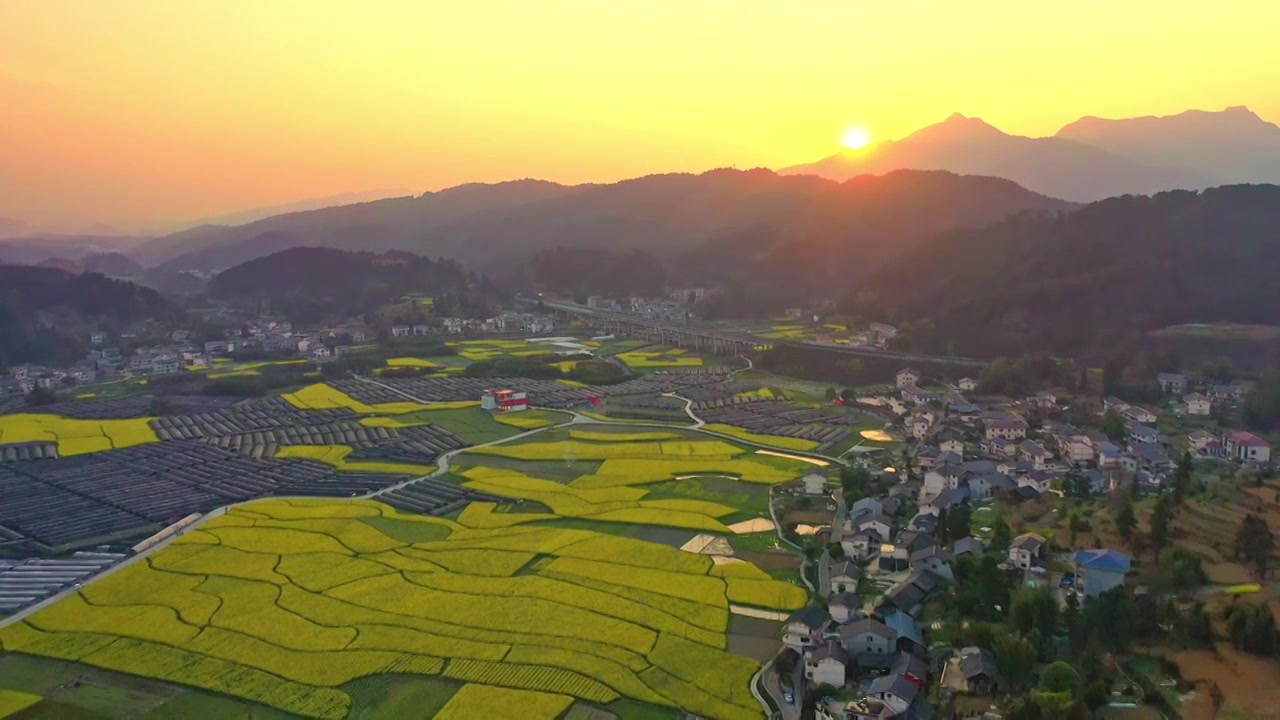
(122, 408)
(13, 702)
(73, 502)
(659, 358)
(783, 419)
(74, 436)
(527, 617)
(542, 393)
(531, 419)
(339, 457)
(323, 396)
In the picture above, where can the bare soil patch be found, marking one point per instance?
(1250, 685)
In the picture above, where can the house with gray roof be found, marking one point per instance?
(967, 546)
(804, 625)
(827, 664)
(896, 691)
(844, 606)
(980, 672)
(867, 635)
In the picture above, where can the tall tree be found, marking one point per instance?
(1161, 517)
(1001, 536)
(1254, 542)
(1182, 479)
(1125, 519)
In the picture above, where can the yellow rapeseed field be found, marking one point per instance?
(777, 441)
(322, 396)
(282, 601)
(477, 701)
(13, 702)
(76, 437)
(336, 455)
(605, 436)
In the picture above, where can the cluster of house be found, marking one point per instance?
(968, 452)
(181, 352)
(877, 644)
(506, 321)
(1200, 397)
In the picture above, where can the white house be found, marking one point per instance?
(895, 691)
(934, 559)
(1009, 427)
(877, 523)
(844, 576)
(1025, 549)
(1245, 446)
(907, 377)
(814, 484)
(868, 636)
(967, 384)
(844, 606)
(826, 664)
(97, 338)
(400, 331)
(1197, 404)
(1097, 571)
(1034, 453)
(1075, 448)
(800, 629)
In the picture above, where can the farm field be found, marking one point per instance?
(650, 357)
(13, 702)
(470, 423)
(531, 419)
(294, 604)
(322, 396)
(778, 441)
(75, 436)
(701, 485)
(336, 455)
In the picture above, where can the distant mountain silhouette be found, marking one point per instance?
(488, 227)
(244, 217)
(34, 248)
(1095, 280)
(10, 227)
(1057, 167)
(110, 264)
(395, 223)
(1234, 146)
(311, 284)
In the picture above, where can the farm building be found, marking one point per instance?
(504, 400)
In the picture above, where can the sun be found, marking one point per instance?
(855, 138)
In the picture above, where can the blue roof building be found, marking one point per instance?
(1097, 571)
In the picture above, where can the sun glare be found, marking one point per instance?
(855, 138)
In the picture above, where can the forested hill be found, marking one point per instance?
(309, 284)
(1100, 277)
(32, 298)
(499, 227)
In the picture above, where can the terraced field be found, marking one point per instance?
(74, 436)
(286, 603)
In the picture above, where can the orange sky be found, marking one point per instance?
(135, 112)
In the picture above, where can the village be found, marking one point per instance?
(980, 496)
(151, 350)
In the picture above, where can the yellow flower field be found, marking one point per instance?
(336, 455)
(410, 362)
(13, 702)
(785, 443)
(76, 437)
(530, 419)
(623, 450)
(604, 436)
(322, 396)
(659, 359)
(477, 701)
(300, 597)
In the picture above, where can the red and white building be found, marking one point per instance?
(1245, 446)
(504, 400)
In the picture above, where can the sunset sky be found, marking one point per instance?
(142, 112)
